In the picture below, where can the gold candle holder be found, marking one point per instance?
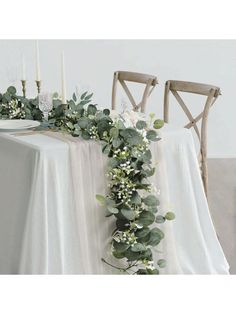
(23, 82)
(38, 84)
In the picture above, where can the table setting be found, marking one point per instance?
(85, 190)
(51, 218)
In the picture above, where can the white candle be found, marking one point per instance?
(38, 78)
(63, 80)
(23, 68)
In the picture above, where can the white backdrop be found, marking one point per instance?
(91, 63)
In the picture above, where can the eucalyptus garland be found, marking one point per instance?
(131, 199)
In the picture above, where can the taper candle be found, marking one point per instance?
(63, 80)
(23, 78)
(38, 78)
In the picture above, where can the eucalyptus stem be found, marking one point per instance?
(116, 267)
(120, 268)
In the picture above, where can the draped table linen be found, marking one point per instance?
(51, 222)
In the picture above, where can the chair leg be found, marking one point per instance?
(114, 88)
(204, 171)
(205, 175)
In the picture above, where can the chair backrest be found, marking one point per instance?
(149, 81)
(212, 93)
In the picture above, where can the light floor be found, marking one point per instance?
(222, 201)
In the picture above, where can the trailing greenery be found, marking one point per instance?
(131, 199)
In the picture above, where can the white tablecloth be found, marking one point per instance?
(51, 223)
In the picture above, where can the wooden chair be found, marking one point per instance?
(121, 76)
(211, 92)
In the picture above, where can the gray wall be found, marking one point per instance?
(91, 63)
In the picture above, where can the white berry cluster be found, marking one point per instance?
(15, 111)
(119, 179)
(93, 131)
(127, 237)
(121, 153)
(148, 264)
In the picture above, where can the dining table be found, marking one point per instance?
(51, 222)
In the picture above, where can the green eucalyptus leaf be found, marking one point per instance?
(56, 103)
(155, 236)
(108, 214)
(154, 209)
(147, 255)
(105, 148)
(110, 202)
(135, 198)
(85, 135)
(128, 214)
(112, 162)
(11, 90)
(138, 247)
(88, 96)
(55, 95)
(71, 104)
(90, 124)
(120, 247)
(140, 233)
(91, 110)
(120, 125)
(146, 218)
(84, 102)
(152, 135)
(99, 115)
(6, 98)
(142, 272)
(34, 102)
(160, 219)
(59, 111)
(77, 132)
(70, 125)
(161, 263)
(132, 256)
(152, 271)
(146, 157)
(114, 132)
(74, 97)
(101, 199)
(148, 172)
(152, 115)
(83, 122)
(131, 136)
(106, 112)
(121, 223)
(141, 125)
(103, 126)
(158, 124)
(151, 200)
(83, 95)
(117, 142)
(118, 255)
(170, 216)
(113, 210)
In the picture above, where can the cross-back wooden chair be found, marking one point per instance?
(122, 76)
(212, 93)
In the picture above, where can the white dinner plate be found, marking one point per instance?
(11, 125)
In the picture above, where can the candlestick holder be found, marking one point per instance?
(65, 106)
(38, 84)
(23, 82)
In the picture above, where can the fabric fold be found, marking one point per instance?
(51, 222)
